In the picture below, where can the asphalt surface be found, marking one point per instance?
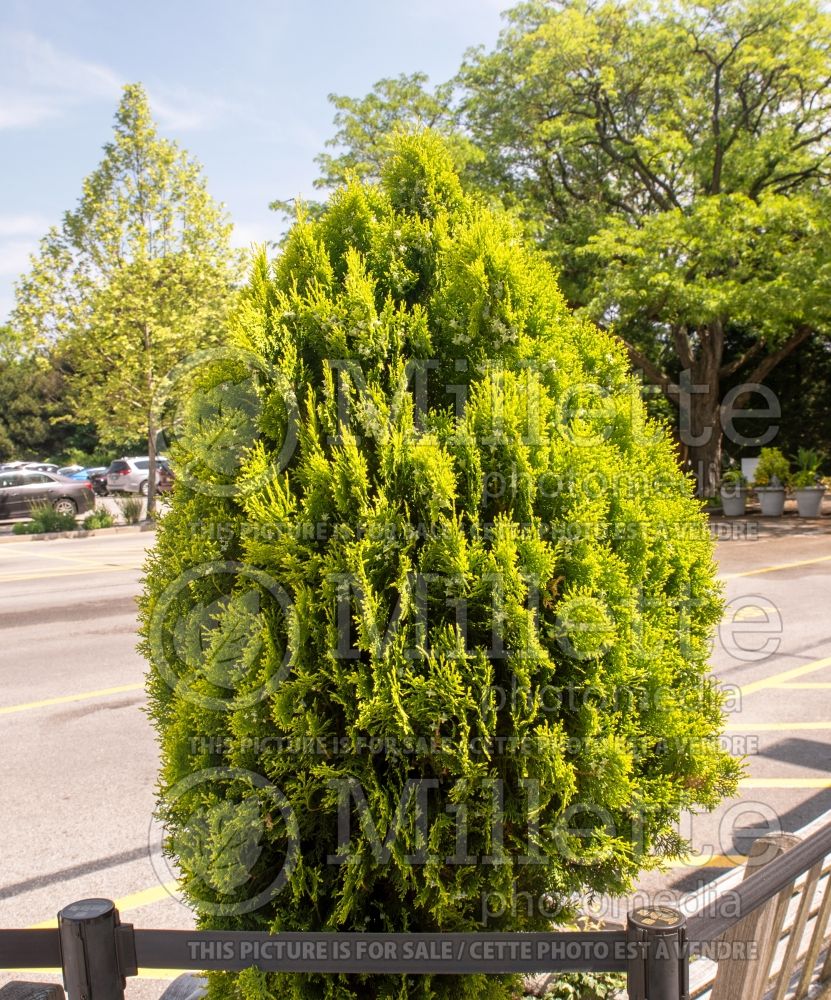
(77, 785)
(78, 776)
(772, 655)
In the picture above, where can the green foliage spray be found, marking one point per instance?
(429, 619)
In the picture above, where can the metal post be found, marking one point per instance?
(658, 954)
(93, 950)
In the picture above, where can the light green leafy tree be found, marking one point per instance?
(135, 279)
(673, 159)
(366, 125)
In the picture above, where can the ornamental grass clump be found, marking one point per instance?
(428, 620)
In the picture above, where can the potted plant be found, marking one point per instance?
(733, 493)
(807, 483)
(772, 472)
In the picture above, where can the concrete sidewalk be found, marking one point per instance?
(753, 525)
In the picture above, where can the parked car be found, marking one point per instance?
(34, 466)
(20, 488)
(40, 466)
(129, 475)
(71, 471)
(83, 473)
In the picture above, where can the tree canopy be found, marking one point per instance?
(32, 404)
(137, 277)
(673, 160)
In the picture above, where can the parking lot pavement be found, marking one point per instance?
(80, 759)
(79, 773)
(772, 654)
(112, 505)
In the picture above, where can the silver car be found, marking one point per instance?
(21, 489)
(129, 475)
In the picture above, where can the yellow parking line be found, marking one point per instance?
(165, 890)
(62, 699)
(51, 555)
(144, 897)
(775, 568)
(753, 611)
(785, 675)
(708, 861)
(785, 783)
(774, 727)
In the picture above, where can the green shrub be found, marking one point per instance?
(98, 519)
(807, 473)
(131, 508)
(771, 463)
(734, 478)
(361, 584)
(803, 479)
(809, 460)
(45, 519)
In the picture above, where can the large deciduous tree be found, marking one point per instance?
(137, 277)
(365, 126)
(673, 160)
(676, 158)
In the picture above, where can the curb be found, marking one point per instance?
(124, 529)
(755, 527)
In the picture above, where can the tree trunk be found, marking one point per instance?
(701, 420)
(151, 468)
(705, 462)
(151, 424)
(700, 426)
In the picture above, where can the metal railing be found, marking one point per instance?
(98, 953)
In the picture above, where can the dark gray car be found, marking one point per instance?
(20, 488)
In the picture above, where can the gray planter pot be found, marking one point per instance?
(734, 501)
(809, 501)
(771, 500)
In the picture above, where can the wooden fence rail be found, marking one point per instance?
(778, 951)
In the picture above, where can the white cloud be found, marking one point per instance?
(178, 109)
(22, 111)
(58, 72)
(39, 82)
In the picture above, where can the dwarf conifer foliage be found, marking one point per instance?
(429, 619)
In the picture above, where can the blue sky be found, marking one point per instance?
(242, 86)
